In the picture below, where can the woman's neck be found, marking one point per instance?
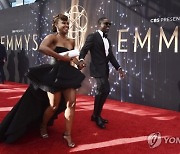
(62, 35)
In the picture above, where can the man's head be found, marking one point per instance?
(104, 24)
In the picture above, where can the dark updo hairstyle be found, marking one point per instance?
(55, 20)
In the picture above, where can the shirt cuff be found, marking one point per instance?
(120, 69)
(81, 59)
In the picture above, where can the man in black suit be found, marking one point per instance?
(3, 59)
(101, 54)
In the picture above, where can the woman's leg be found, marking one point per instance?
(70, 97)
(54, 100)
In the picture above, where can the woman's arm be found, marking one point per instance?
(74, 59)
(47, 46)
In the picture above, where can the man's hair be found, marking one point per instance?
(101, 20)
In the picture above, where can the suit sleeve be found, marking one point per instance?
(87, 46)
(112, 59)
(5, 54)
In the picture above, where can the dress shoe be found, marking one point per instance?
(99, 123)
(43, 133)
(93, 118)
(104, 120)
(68, 140)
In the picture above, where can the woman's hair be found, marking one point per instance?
(55, 20)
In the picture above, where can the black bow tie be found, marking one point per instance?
(105, 35)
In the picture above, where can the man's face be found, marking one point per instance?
(105, 25)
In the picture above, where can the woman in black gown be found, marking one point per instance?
(52, 90)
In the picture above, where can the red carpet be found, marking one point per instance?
(127, 131)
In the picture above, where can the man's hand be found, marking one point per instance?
(81, 64)
(121, 73)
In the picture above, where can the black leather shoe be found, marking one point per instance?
(100, 123)
(93, 118)
(104, 120)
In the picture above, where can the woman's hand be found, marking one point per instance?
(67, 58)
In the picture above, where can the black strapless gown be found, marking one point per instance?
(28, 111)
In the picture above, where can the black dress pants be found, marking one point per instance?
(102, 93)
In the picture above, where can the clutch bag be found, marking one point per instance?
(70, 53)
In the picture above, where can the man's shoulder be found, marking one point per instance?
(92, 35)
(2, 47)
(96, 33)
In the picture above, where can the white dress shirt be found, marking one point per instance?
(106, 42)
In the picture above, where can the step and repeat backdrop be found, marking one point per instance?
(144, 35)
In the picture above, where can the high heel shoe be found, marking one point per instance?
(43, 132)
(68, 140)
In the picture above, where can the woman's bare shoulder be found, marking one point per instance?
(51, 36)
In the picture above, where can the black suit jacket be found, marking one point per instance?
(99, 62)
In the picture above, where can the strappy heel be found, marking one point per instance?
(68, 140)
(43, 132)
